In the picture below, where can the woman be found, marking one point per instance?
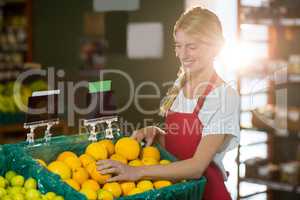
(201, 112)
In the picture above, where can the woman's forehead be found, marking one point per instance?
(183, 37)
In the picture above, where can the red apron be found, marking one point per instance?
(184, 132)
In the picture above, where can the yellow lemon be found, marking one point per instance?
(128, 148)
(135, 163)
(62, 156)
(80, 175)
(114, 188)
(149, 161)
(105, 195)
(135, 191)
(89, 193)
(127, 187)
(145, 185)
(72, 162)
(97, 151)
(119, 158)
(97, 176)
(109, 145)
(91, 184)
(161, 183)
(151, 152)
(61, 169)
(164, 162)
(86, 160)
(73, 184)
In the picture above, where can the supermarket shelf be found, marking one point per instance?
(277, 132)
(255, 93)
(274, 185)
(282, 82)
(251, 195)
(253, 129)
(270, 22)
(11, 128)
(253, 144)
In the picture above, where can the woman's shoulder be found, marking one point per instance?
(223, 95)
(226, 89)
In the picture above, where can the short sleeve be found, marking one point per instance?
(223, 118)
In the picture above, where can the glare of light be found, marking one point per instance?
(238, 55)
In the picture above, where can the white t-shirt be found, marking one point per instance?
(219, 115)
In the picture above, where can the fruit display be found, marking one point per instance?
(15, 187)
(8, 99)
(79, 171)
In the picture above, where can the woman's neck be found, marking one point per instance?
(196, 82)
(200, 76)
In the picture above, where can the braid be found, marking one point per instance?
(172, 93)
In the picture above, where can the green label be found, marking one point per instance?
(100, 86)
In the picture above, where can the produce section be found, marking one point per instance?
(72, 165)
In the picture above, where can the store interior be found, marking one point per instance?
(66, 45)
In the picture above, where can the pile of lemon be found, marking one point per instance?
(14, 186)
(81, 174)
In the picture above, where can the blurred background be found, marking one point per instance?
(73, 41)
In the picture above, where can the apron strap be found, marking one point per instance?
(208, 89)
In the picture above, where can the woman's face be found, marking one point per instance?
(192, 52)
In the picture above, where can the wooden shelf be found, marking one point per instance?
(285, 80)
(271, 22)
(11, 128)
(274, 185)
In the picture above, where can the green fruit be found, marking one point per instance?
(9, 175)
(17, 181)
(32, 194)
(2, 182)
(30, 183)
(2, 192)
(50, 195)
(23, 190)
(58, 198)
(18, 196)
(6, 197)
(14, 190)
(44, 197)
(38, 85)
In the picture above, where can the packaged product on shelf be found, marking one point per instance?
(269, 171)
(290, 172)
(294, 118)
(252, 166)
(263, 118)
(294, 64)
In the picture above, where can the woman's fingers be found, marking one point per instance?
(149, 141)
(109, 171)
(105, 164)
(117, 178)
(138, 135)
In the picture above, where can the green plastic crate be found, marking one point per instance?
(21, 155)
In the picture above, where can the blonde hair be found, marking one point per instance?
(204, 24)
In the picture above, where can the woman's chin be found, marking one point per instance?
(189, 68)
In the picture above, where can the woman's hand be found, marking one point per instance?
(148, 134)
(121, 171)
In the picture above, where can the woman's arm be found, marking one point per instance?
(186, 169)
